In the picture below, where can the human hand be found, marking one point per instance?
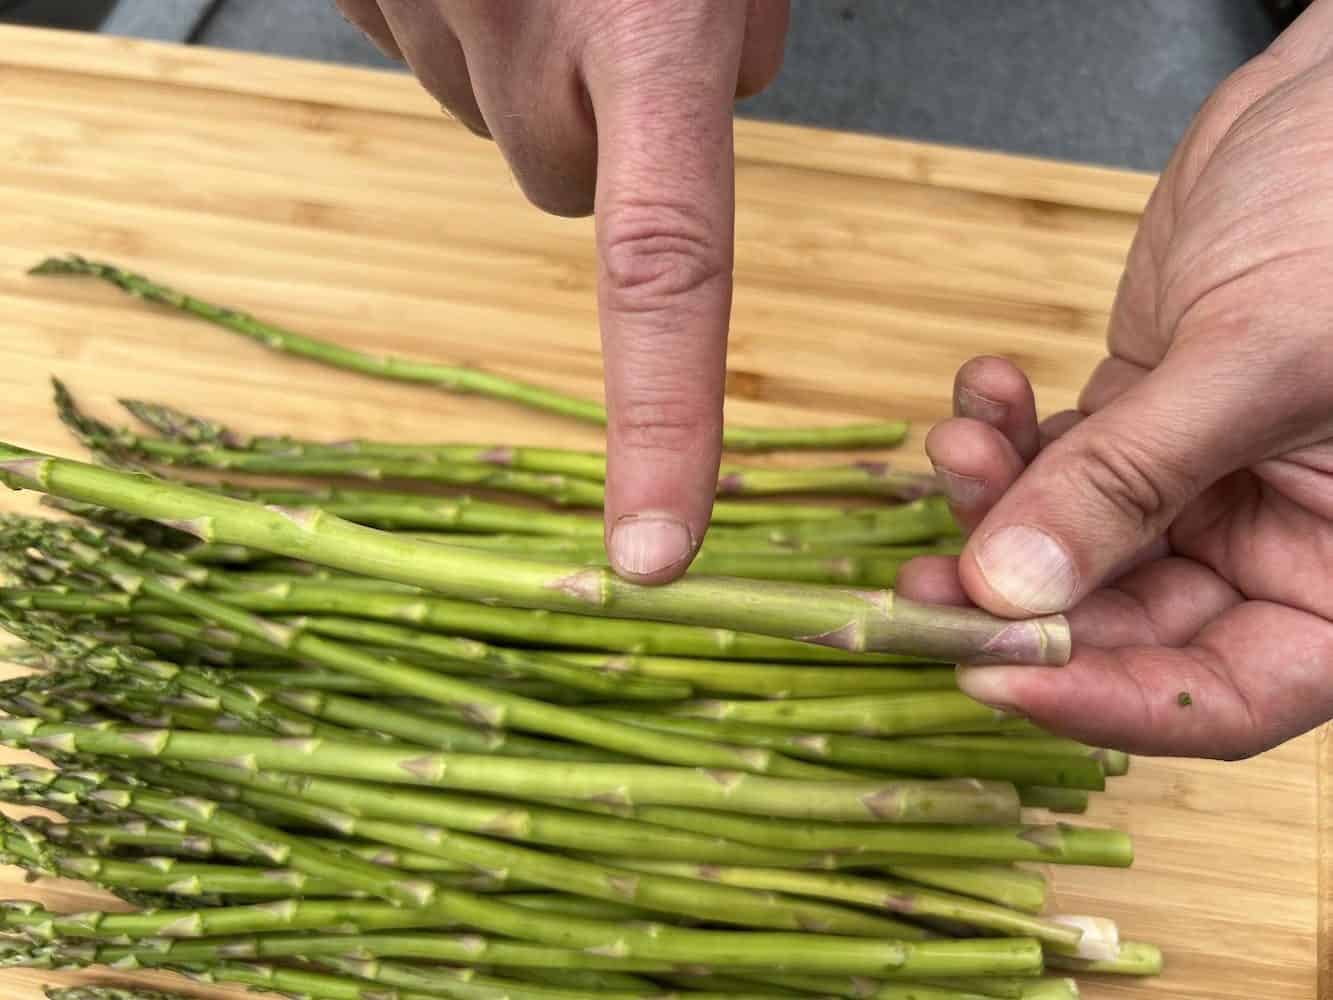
(623, 108)
(1184, 514)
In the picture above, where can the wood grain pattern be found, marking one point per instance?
(340, 201)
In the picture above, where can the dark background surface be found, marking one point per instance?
(1113, 83)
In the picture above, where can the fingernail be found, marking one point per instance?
(978, 407)
(991, 686)
(962, 491)
(643, 544)
(1029, 569)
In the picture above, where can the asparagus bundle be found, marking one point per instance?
(368, 744)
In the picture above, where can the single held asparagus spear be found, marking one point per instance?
(846, 619)
(454, 379)
(859, 478)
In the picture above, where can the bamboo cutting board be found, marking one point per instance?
(342, 202)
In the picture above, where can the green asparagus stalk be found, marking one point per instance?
(1114, 762)
(1135, 958)
(852, 620)
(462, 618)
(887, 755)
(1058, 843)
(900, 801)
(591, 981)
(891, 714)
(1061, 800)
(454, 379)
(818, 953)
(859, 478)
(880, 894)
(770, 680)
(859, 570)
(1015, 888)
(861, 988)
(921, 526)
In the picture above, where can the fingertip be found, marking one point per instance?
(974, 464)
(995, 391)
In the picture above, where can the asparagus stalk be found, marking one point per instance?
(1015, 888)
(853, 620)
(629, 944)
(770, 680)
(865, 715)
(926, 527)
(1058, 843)
(1134, 958)
(888, 755)
(454, 379)
(864, 570)
(899, 801)
(489, 623)
(1061, 800)
(881, 894)
(1114, 762)
(858, 478)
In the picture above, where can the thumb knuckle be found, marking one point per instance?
(1139, 487)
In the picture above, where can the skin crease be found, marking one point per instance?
(1184, 511)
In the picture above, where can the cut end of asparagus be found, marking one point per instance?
(1101, 937)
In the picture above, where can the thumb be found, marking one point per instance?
(665, 214)
(1099, 495)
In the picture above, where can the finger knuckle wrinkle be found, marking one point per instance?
(654, 256)
(1119, 473)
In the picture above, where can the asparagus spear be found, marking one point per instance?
(899, 801)
(491, 623)
(889, 755)
(890, 714)
(867, 478)
(454, 379)
(820, 953)
(853, 620)
(1134, 958)
(881, 894)
(1016, 888)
